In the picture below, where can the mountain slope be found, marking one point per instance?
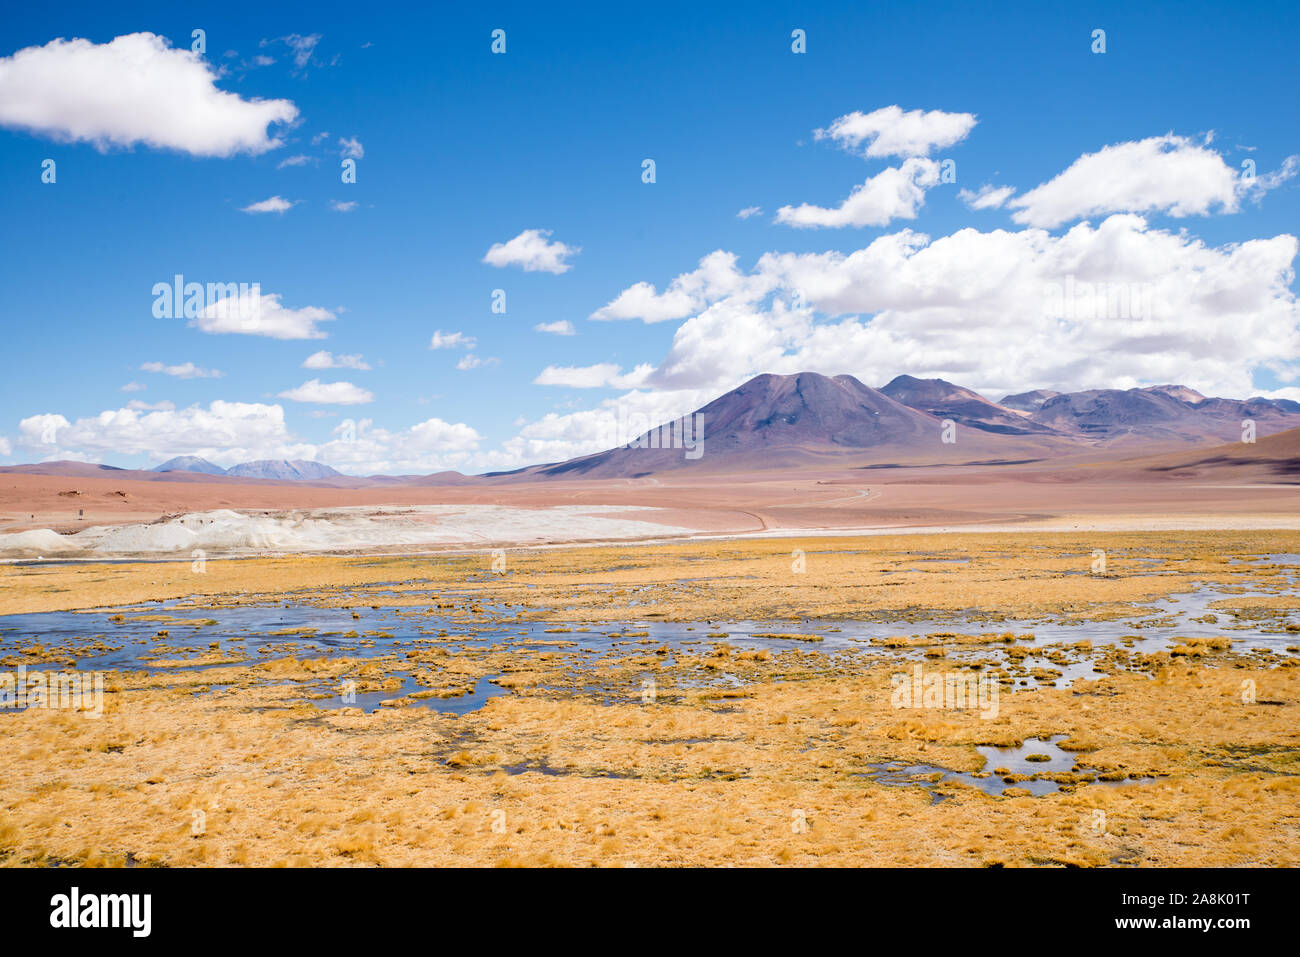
(965, 407)
(189, 463)
(283, 470)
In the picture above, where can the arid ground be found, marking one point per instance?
(720, 702)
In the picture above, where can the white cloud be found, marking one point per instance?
(186, 370)
(532, 252)
(616, 421)
(601, 375)
(133, 387)
(134, 90)
(328, 393)
(1169, 174)
(5, 447)
(429, 446)
(894, 193)
(988, 310)
(561, 328)
(891, 131)
(275, 204)
(299, 160)
(351, 148)
(343, 206)
(139, 406)
(256, 314)
(987, 197)
(223, 432)
(749, 211)
(451, 340)
(327, 360)
(470, 361)
(715, 277)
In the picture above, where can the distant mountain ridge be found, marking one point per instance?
(284, 470)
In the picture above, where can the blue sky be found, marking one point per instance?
(458, 149)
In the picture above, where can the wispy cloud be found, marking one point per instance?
(328, 393)
(275, 204)
(185, 370)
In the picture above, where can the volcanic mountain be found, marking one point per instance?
(791, 421)
(189, 463)
(283, 470)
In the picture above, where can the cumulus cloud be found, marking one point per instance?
(451, 340)
(135, 89)
(185, 370)
(253, 313)
(471, 361)
(894, 193)
(1116, 304)
(299, 160)
(351, 148)
(327, 360)
(892, 131)
(1169, 174)
(328, 393)
(715, 277)
(749, 211)
(359, 448)
(987, 196)
(562, 328)
(275, 204)
(532, 252)
(222, 432)
(343, 206)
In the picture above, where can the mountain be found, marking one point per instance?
(1173, 414)
(947, 401)
(796, 421)
(189, 463)
(1180, 392)
(1028, 401)
(283, 470)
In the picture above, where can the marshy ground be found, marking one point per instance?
(705, 703)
